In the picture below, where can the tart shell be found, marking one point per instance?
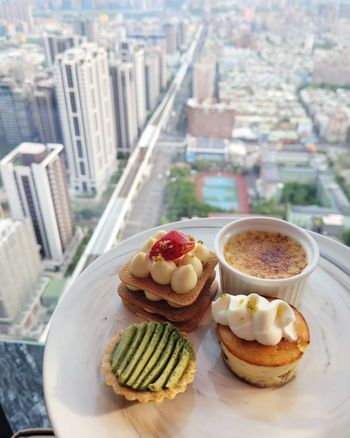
(144, 396)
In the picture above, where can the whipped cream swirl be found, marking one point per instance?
(254, 318)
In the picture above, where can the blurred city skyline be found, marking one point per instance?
(101, 101)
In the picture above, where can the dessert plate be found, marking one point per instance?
(315, 404)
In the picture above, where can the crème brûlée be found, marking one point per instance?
(265, 254)
(265, 353)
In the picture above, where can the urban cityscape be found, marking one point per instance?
(120, 115)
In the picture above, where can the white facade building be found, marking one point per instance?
(123, 85)
(171, 39)
(84, 95)
(203, 80)
(163, 66)
(152, 79)
(136, 55)
(20, 267)
(55, 43)
(35, 181)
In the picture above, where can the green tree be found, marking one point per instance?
(202, 165)
(299, 194)
(269, 208)
(346, 237)
(181, 198)
(180, 172)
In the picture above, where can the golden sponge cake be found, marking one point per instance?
(261, 365)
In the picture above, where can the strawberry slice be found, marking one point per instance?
(172, 245)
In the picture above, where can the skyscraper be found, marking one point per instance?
(203, 80)
(20, 267)
(36, 185)
(183, 34)
(160, 52)
(85, 27)
(16, 117)
(171, 40)
(129, 52)
(45, 109)
(55, 43)
(123, 85)
(84, 96)
(152, 79)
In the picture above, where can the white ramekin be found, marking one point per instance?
(236, 282)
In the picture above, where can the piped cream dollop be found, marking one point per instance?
(201, 252)
(162, 271)
(148, 245)
(190, 259)
(159, 234)
(151, 297)
(140, 265)
(183, 279)
(254, 318)
(132, 288)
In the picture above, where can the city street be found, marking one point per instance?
(149, 207)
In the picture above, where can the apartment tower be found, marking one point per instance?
(85, 104)
(45, 109)
(123, 85)
(203, 80)
(129, 52)
(152, 79)
(56, 43)
(171, 39)
(35, 181)
(16, 114)
(20, 267)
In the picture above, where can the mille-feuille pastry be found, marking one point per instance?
(262, 339)
(149, 362)
(172, 269)
(185, 319)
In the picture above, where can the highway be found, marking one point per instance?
(113, 218)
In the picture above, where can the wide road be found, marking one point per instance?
(148, 206)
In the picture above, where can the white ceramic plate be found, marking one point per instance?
(315, 404)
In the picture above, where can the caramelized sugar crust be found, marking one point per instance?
(265, 254)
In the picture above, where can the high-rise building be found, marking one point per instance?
(35, 181)
(55, 43)
(16, 116)
(171, 40)
(152, 79)
(85, 103)
(160, 52)
(20, 267)
(129, 52)
(183, 34)
(123, 85)
(203, 80)
(45, 109)
(16, 12)
(85, 27)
